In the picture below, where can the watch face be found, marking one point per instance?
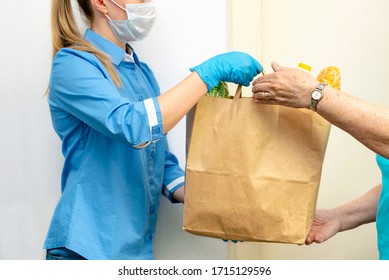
(317, 94)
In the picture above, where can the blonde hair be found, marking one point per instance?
(65, 33)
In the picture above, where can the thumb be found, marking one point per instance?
(308, 241)
(277, 67)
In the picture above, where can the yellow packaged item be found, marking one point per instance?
(331, 76)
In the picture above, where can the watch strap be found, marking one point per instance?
(314, 102)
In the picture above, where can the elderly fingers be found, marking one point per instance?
(263, 95)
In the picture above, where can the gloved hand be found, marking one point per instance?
(234, 67)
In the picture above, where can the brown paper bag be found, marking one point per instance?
(253, 171)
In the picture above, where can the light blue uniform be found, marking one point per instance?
(382, 221)
(111, 188)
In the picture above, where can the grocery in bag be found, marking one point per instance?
(253, 171)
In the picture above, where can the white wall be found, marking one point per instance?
(30, 152)
(186, 33)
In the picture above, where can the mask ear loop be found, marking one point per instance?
(118, 5)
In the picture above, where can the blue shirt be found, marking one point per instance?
(111, 181)
(382, 220)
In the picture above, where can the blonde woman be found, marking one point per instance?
(107, 109)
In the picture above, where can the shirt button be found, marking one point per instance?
(150, 237)
(132, 73)
(140, 98)
(152, 210)
(152, 154)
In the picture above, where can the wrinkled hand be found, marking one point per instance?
(234, 67)
(290, 87)
(325, 225)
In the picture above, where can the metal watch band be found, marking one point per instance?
(321, 86)
(314, 102)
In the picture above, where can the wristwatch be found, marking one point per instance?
(316, 96)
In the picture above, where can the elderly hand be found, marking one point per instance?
(325, 225)
(290, 87)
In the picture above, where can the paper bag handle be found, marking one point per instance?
(238, 93)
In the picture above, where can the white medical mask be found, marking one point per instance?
(141, 18)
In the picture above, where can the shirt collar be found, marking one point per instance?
(117, 54)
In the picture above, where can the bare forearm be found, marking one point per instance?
(291, 87)
(359, 211)
(176, 102)
(366, 122)
(179, 195)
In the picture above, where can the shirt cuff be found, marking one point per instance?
(168, 190)
(154, 119)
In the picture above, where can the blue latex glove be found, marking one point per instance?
(233, 67)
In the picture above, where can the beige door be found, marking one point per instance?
(354, 36)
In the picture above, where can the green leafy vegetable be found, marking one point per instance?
(220, 90)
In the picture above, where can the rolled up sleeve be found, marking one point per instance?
(174, 177)
(88, 93)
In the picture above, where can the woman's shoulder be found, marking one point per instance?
(73, 53)
(71, 59)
